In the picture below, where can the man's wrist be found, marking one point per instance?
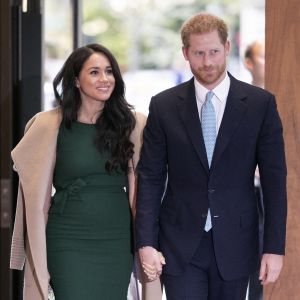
(146, 247)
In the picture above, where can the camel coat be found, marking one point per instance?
(34, 160)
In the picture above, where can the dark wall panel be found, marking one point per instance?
(30, 100)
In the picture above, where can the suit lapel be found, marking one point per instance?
(188, 111)
(233, 114)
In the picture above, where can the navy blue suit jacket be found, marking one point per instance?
(172, 219)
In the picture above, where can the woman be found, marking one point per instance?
(87, 148)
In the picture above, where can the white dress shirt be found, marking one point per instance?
(219, 98)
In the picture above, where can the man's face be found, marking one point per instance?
(207, 58)
(256, 64)
(259, 63)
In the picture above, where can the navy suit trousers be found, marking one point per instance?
(201, 280)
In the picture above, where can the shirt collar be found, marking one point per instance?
(220, 91)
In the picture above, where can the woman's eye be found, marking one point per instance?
(109, 71)
(94, 72)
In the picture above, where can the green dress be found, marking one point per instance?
(89, 225)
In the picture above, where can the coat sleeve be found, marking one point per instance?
(272, 168)
(152, 173)
(136, 138)
(17, 257)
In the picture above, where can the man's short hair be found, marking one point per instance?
(203, 23)
(251, 50)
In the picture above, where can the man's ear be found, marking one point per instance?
(248, 64)
(227, 47)
(184, 51)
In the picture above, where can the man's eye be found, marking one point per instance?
(199, 53)
(215, 51)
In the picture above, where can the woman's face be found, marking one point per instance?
(96, 81)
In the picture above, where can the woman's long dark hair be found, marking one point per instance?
(116, 120)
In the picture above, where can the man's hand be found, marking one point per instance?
(152, 262)
(271, 265)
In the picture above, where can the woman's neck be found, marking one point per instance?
(89, 113)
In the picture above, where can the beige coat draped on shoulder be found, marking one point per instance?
(34, 160)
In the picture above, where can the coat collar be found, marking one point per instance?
(188, 111)
(234, 110)
(233, 114)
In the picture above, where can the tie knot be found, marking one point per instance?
(209, 96)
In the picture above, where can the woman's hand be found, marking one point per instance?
(152, 270)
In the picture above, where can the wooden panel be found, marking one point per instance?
(283, 79)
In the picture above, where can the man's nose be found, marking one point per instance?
(207, 59)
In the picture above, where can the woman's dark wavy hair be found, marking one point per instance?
(116, 121)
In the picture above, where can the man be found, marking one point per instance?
(254, 62)
(207, 136)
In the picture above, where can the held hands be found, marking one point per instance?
(271, 265)
(152, 262)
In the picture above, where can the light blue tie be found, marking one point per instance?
(209, 131)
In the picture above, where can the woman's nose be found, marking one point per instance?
(103, 77)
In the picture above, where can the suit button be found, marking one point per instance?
(211, 191)
(204, 215)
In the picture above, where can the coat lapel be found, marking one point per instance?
(233, 114)
(188, 111)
